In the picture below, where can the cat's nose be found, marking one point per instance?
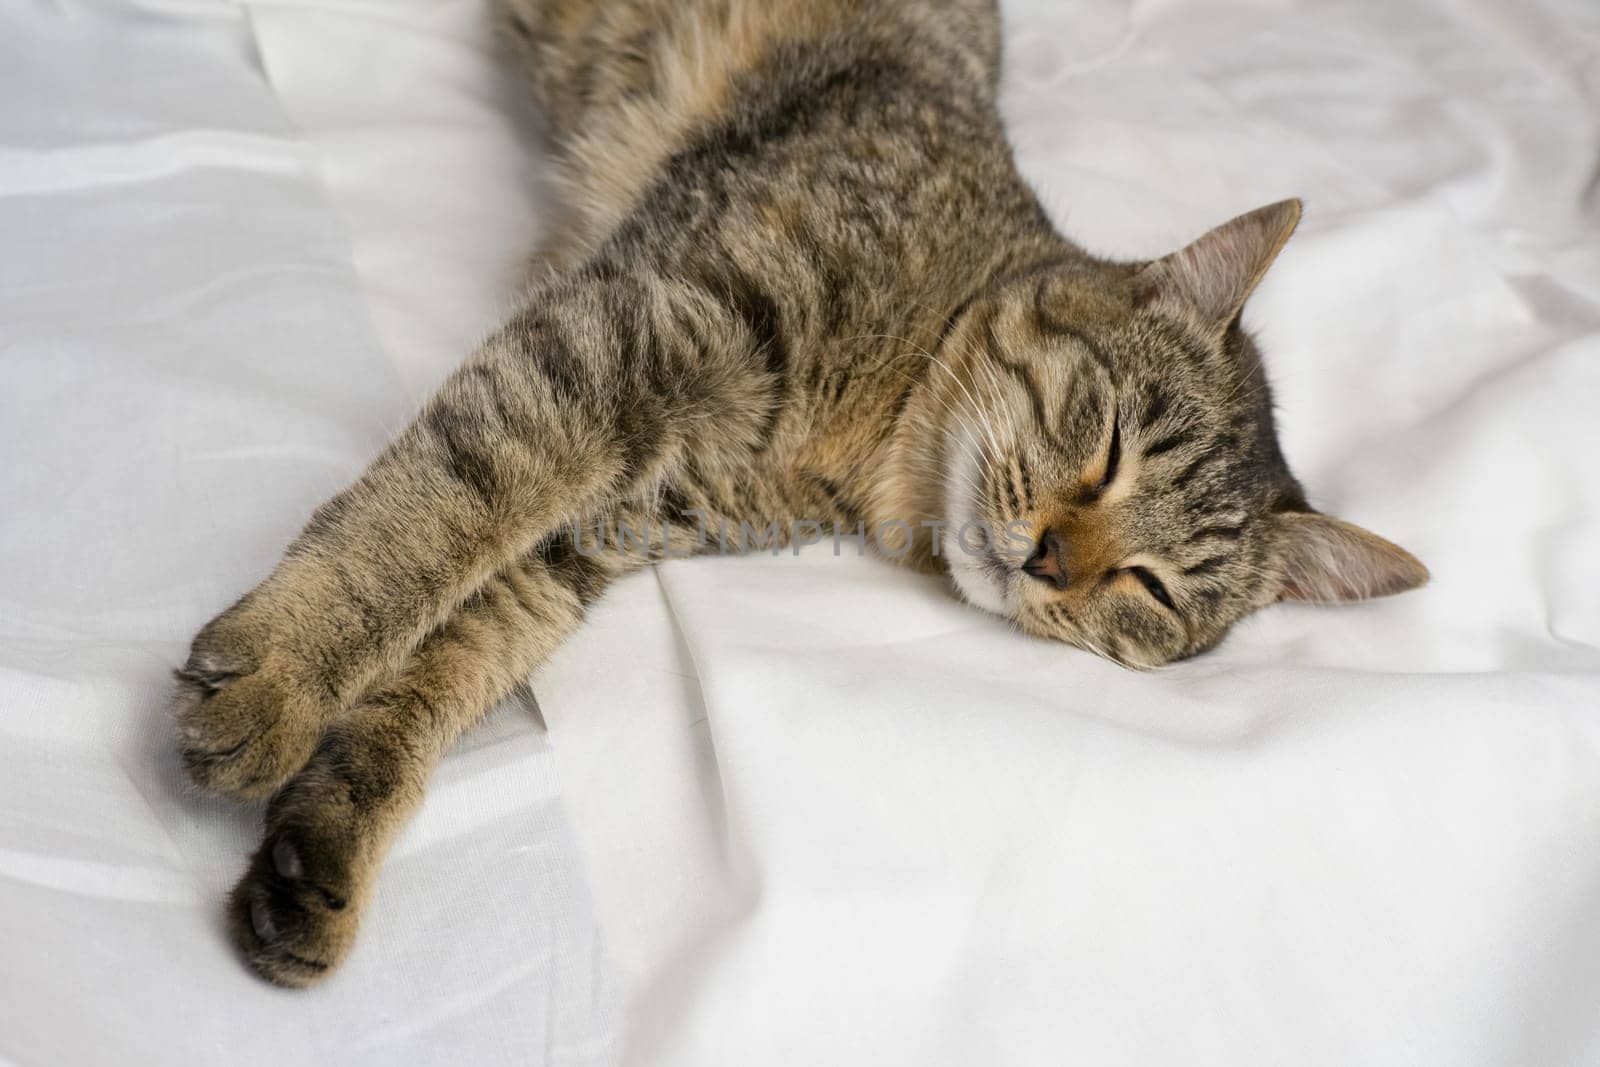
(1047, 562)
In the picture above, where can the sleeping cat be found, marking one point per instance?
(801, 281)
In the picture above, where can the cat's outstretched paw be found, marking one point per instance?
(292, 915)
(244, 728)
(295, 913)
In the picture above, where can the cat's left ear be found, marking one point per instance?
(1212, 278)
(1328, 560)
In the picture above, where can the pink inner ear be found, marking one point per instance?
(1212, 277)
(1327, 560)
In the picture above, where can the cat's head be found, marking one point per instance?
(1113, 425)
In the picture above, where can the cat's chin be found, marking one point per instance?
(980, 586)
(981, 580)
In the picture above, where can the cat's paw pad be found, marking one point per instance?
(242, 730)
(294, 914)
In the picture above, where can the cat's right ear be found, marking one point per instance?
(1211, 278)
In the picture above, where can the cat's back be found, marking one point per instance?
(627, 84)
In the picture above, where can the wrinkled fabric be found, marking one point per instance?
(810, 809)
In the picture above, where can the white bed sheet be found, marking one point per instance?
(827, 814)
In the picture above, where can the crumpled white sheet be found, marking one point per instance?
(825, 814)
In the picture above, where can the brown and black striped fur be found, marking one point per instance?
(800, 280)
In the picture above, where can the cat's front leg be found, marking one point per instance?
(596, 393)
(296, 911)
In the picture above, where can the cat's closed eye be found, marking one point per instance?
(1113, 457)
(1153, 586)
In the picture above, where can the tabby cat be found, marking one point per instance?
(800, 280)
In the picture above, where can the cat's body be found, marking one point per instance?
(801, 282)
(831, 171)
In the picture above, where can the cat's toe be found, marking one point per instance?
(291, 915)
(245, 737)
(241, 731)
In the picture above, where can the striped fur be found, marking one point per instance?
(800, 280)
